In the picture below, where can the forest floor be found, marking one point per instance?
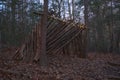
(97, 66)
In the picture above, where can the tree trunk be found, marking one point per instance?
(85, 31)
(63, 10)
(59, 8)
(43, 56)
(69, 9)
(100, 30)
(13, 7)
(111, 30)
(73, 9)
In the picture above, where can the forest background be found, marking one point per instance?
(17, 21)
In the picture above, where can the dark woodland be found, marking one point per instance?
(59, 39)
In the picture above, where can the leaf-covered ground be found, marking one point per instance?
(97, 66)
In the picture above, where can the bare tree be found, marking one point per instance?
(73, 9)
(63, 3)
(111, 29)
(84, 48)
(69, 9)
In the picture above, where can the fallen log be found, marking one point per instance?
(113, 64)
(111, 77)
